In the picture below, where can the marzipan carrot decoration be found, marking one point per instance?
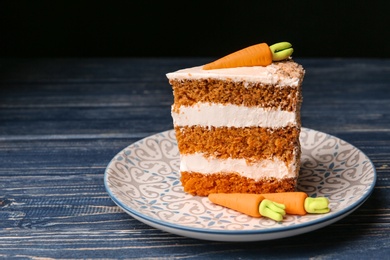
(275, 206)
(299, 203)
(256, 55)
(254, 205)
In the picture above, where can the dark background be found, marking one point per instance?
(192, 28)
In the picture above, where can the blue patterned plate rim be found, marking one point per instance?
(323, 219)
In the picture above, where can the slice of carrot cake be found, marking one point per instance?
(237, 128)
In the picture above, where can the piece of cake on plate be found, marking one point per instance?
(237, 122)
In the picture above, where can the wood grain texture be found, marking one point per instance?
(63, 120)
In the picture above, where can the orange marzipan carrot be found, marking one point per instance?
(242, 202)
(294, 201)
(255, 55)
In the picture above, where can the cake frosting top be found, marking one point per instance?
(285, 73)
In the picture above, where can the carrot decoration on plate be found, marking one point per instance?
(271, 205)
(256, 55)
(254, 205)
(299, 203)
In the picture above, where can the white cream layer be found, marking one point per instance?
(218, 115)
(265, 168)
(276, 73)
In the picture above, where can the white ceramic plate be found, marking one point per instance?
(143, 180)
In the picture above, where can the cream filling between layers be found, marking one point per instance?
(264, 169)
(218, 115)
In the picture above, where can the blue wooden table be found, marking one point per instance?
(63, 120)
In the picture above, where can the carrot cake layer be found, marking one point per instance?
(202, 185)
(277, 85)
(252, 143)
(191, 92)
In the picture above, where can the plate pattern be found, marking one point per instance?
(144, 180)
